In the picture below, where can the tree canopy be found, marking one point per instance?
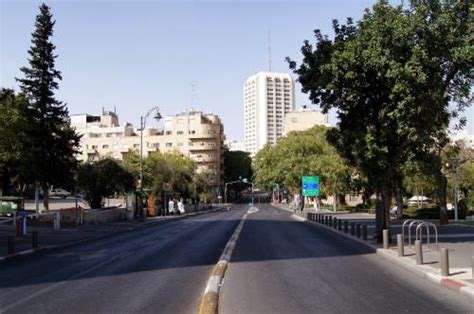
(102, 179)
(391, 78)
(12, 125)
(300, 154)
(237, 164)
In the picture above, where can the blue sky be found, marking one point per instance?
(138, 54)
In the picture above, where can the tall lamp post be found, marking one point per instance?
(143, 119)
(142, 126)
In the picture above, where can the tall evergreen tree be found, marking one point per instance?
(52, 142)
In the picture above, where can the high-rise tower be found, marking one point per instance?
(268, 97)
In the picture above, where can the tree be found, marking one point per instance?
(103, 179)
(237, 164)
(50, 159)
(12, 125)
(373, 74)
(174, 169)
(300, 154)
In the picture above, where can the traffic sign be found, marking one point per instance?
(310, 185)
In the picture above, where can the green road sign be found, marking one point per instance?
(310, 185)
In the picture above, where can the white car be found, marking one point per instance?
(59, 193)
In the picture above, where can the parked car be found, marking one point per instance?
(59, 193)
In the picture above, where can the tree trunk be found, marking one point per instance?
(45, 196)
(399, 199)
(442, 186)
(382, 211)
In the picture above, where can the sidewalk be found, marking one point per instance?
(457, 238)
(71, 234)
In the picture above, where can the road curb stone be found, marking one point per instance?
(210, 299)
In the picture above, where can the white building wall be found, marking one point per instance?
(268, 97)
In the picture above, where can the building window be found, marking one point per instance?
(105, 146)
(136, 145)
(294, 120)
(192, 132)
(180, 144)
(169, 132)
(179, 132)
(94, 146)
(169, 144)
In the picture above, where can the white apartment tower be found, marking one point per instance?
(268, 97)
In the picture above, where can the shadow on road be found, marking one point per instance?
(267, 235)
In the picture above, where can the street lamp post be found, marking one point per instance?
(142, 126)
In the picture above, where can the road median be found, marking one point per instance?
(210, 299)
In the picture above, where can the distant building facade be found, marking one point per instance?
(464, 136)
(268, 97)
(234, 145)
(193, 134)
(304, 119)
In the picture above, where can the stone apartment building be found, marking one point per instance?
(193, 134)
(304, 119)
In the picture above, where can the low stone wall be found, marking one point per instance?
(94, 216)
(104, 215)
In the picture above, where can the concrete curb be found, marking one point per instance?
(110, 235)
(461, 287)
(210, 299)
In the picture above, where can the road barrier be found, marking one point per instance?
(346, 226)
(339, 224)
(400, 245)
(364, 232)
(444, 261)
(472, 266)
(358, 230)
(385, 238)
(352, 228)
(418, 252)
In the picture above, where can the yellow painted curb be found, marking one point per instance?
(210, 299)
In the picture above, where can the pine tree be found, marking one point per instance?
(52, 142)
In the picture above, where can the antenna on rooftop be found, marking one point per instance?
(193, 94)
(269, 52)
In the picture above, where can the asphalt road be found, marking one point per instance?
(280, 265)
(158, 269)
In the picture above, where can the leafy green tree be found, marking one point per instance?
(237, 164)
(174, 169)
(12, 125)
(388, 77)
(300, 154)
(103, 178)
(50, 159)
